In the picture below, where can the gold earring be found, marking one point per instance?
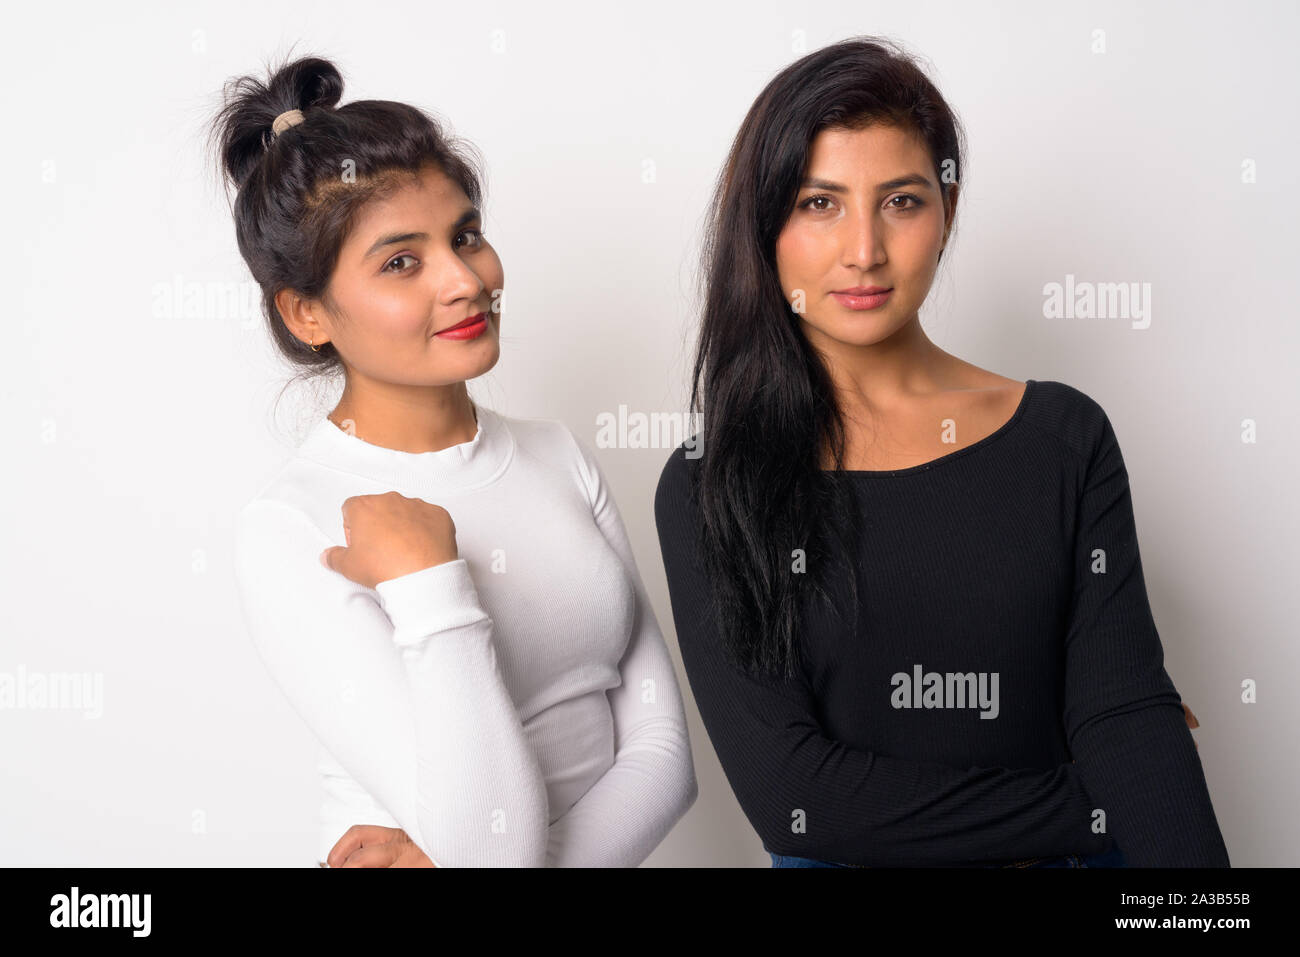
(314, 348)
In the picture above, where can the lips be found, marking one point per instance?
(472, 320)
(863, 298)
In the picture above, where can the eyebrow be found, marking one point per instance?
(912, 179)
(465, 218)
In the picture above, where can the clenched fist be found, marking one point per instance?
(390, 535)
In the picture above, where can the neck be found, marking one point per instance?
(405, 418)
(885, 375)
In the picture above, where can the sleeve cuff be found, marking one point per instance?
(432, 600)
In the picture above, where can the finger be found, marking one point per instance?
(332, 558)
(358, 835)
(411, 856)
(1191, 718)
(344, 846)
(374, 855)
(349, 506)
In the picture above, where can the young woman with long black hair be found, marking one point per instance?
(492, 690)
(907, 590)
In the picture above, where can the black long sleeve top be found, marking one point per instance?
(1012, 560)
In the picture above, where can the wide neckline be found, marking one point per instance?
(1002, 430)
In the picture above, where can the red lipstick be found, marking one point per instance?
(470, 328)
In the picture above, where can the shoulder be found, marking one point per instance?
(675, 490)
(302, 485)
(292, 489)
(553, 446)
(271, 524)
(1069, 414)
(288, 512)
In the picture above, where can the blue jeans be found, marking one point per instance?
(1111, 858)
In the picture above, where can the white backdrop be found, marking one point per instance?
(1109, 142)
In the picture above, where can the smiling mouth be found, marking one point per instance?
(464, 323)
(471, 328)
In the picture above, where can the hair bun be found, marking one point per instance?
(254, 110)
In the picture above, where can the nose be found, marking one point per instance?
(864, 245)
(456, 280)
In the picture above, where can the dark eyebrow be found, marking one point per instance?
(465, 218)
(912, 179)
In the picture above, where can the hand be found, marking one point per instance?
(1191, 723)
(390, 535)
(369, 845)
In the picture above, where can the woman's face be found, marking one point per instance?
(869, 213)
(414, 265)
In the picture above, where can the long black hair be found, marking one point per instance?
(769, 409)
(299, 193)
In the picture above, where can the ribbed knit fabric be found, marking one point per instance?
(1014, 558)
(514, 707)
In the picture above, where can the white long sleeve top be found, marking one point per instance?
(514, 707)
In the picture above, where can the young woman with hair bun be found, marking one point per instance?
(445, 594)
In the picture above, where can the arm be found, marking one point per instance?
(632, 807)
(857, 807)
(1124, 720)
(404, 691)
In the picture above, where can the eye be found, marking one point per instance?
(478, 234)
(916, 201)
(808, 203)
(397, 259)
